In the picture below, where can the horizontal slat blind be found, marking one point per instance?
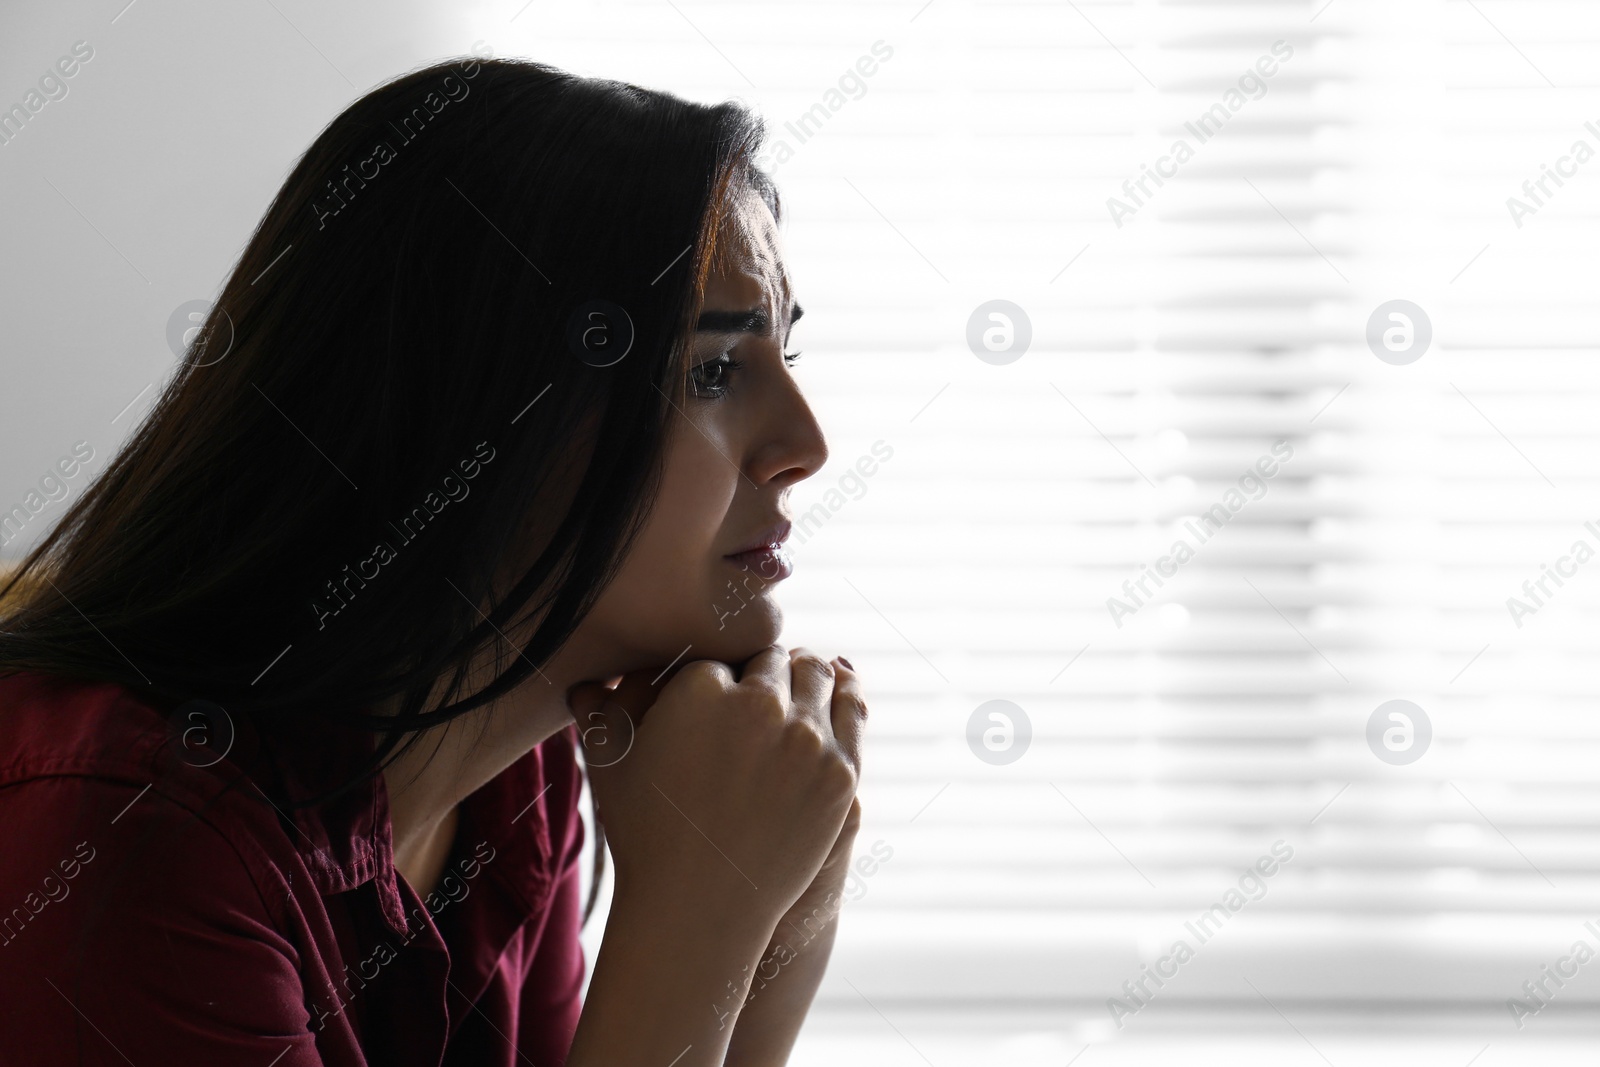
(1226, 314)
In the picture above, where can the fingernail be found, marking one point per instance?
(846, 662)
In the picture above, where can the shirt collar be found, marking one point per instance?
(348, 841)
(343, 842)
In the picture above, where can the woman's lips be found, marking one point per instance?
(771, 563)
(772, 537)
(765, 553)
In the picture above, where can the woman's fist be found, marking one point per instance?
(719, 793)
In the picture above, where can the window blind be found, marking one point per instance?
(1174, 746)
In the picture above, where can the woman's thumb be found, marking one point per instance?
(584, 699)
(609, 718)
(597, 723)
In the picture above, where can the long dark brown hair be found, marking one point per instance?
(419, 294)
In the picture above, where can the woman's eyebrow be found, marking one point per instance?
(750, 320)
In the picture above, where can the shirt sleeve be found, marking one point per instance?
(551, 1000)
(158, 948)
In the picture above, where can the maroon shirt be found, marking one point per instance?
(151, 915)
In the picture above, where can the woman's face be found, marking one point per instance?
(741, 439)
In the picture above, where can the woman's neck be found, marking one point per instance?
(423, 865)
(448, 763)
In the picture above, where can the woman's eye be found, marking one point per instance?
(710, 379)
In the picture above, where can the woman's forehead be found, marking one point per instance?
(748, 267)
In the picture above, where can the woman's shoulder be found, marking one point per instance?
(89, 765)
(153, 896)
(50, 725)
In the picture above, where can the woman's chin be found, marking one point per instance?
(734, 638)
(731, 638)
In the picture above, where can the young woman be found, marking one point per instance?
(485, 445)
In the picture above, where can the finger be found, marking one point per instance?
(768, 670)
(586, 702)
(637, 692)
(609, 717)
(849, 712)
(852, 820)
(698, 680)
(811, 688)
